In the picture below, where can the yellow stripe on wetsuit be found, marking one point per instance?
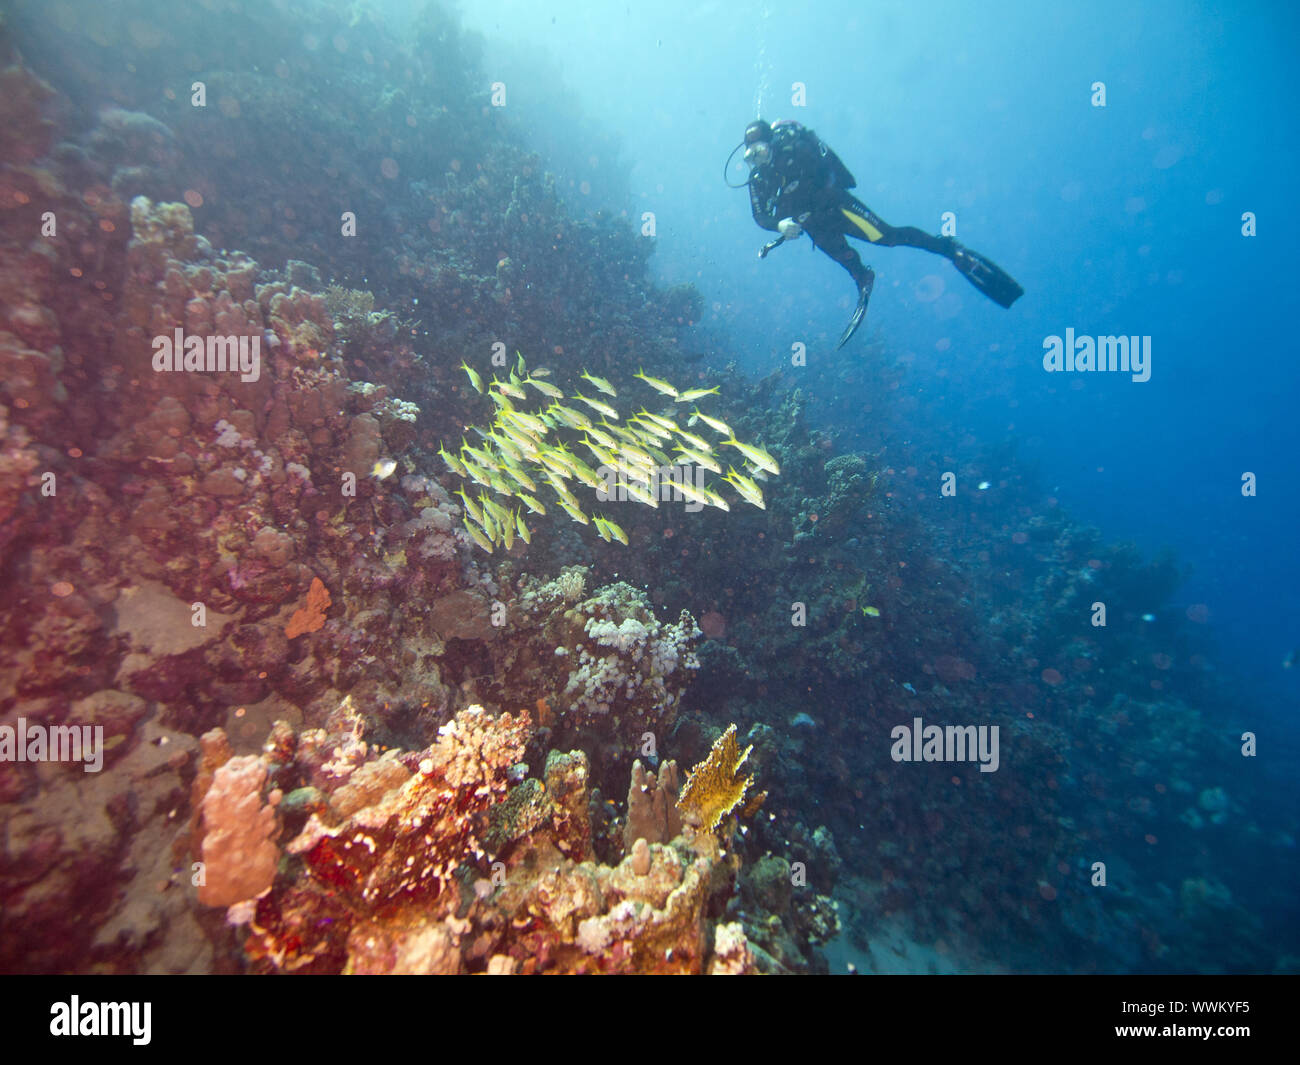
(871, 232)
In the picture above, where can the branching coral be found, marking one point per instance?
(605, 660)
(715, 787)
(350, 304)
(572, 582)
(628, 657)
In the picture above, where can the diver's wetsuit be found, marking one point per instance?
(804, 177)
(805, 181)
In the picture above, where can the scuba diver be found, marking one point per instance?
(798, 185)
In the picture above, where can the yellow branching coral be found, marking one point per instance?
(715, 787)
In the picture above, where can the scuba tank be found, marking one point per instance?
(844, 178)
(789, 131)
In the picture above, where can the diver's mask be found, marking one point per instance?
(758, 154)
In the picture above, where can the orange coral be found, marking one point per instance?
(310, 617)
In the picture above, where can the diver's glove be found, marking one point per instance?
(860, 313)
(789, 228)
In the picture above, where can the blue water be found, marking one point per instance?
(1122, 219)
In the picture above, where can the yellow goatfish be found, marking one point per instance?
(544, 387)
(597, 406)
(716, 500)
(523, 480)
(657, 384)
(481, 457)
(526, 444)
(502, 402)
(697, 442)
(716, 424)
(454, 464)
(756, 455)
(478, 476)
(574, 419)
(749, 491)
(474, 378)
(471, 508)
(659, 420)
(692, 394)
(600, 383)
(601, 454)
(574, 512)
(707, 461)
(499, 514)
(641, 495)
(508, 451)
(528, 422)
(616, 532)
(695, 495)
(644, 428)
(476, 535)
(646, 437)
(601, 437)
(509, 388)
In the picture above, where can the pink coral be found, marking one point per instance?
(239, 851)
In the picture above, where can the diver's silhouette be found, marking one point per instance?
(798, 185)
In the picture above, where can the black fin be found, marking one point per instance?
(988, 277)
(860, 313)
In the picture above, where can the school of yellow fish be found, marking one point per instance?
(522, 450)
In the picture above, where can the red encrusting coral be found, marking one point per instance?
(311, 615)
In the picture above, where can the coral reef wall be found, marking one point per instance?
(190, 551)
